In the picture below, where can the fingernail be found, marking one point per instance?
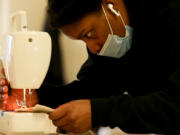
(2, 89)
(1, 96)
(1, 82)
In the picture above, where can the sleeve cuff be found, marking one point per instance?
(100, 112)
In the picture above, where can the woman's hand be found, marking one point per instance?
(3, 93)
(9, 102)
(74, 116)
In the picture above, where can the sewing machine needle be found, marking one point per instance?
(24, 97)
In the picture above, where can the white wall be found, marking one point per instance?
(35, 9)
(4, 9)
(74, 54)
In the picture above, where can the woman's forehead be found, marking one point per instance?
(79, 26)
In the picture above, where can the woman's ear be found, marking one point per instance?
(111, 6)
(105, 2)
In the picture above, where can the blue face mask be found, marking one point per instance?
(116, 46)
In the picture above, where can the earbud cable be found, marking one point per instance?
(107, 20)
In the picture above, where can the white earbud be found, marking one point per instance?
(110, 6)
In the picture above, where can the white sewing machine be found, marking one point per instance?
(25, 56)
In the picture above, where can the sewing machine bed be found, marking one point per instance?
(25, 123)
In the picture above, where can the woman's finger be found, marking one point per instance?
(61, 122)
(3, 90)
(3, 82)
(3, 97)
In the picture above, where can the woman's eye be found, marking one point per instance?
(88, 35)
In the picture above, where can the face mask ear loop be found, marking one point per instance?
(122, 19)
(107, 20)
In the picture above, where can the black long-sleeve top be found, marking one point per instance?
(149, 73)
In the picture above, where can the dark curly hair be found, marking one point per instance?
(62, 12)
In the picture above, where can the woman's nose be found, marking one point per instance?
(93, 47)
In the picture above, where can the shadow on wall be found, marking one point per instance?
(54, 75)
(67, 57)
